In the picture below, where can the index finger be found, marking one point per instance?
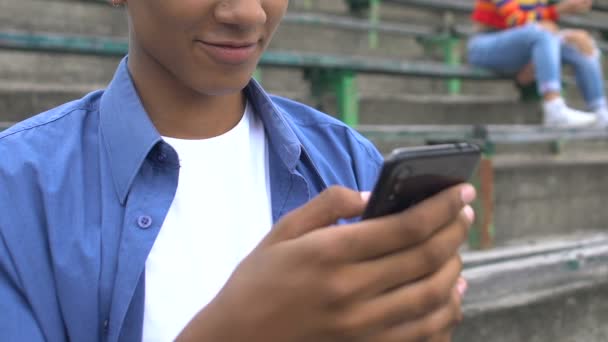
(377, 237)
(326, 209)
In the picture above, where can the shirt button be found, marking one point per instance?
(161, 157)
(106, 325)
(144, 221)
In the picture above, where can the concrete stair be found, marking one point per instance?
(578, 315)
(555, 290)
(551, 195)
(54, 68)
(18, 98)
(75, 17)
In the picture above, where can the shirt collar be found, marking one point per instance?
(129, 135)
(281, 136)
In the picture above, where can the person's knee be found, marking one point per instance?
(582, 41)
(540, 34)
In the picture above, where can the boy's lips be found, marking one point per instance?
(229, 52)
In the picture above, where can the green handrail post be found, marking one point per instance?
(318, 79)
(308, 5)
(357, 7)
(557, 146)
(482, 232)
(374, 19)
(343, 84)
(347, 97)
(453, 57)
(528, 92)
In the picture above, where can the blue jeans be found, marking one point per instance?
(508, 51)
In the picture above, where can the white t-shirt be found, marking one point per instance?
(221, 211)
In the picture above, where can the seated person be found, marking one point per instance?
(521, 38)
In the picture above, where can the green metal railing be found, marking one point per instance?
(445, 38)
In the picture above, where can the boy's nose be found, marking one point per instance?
(243, 13)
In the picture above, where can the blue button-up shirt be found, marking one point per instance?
(84, 190)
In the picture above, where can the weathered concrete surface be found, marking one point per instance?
(22, 67)
(551, 196)
(581, 316)
(74, 17)
(437, 109)
(551, 291)
(20, 101)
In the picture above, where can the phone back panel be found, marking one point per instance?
(411, 175)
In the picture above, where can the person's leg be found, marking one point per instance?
(580, 51)
(509, 51)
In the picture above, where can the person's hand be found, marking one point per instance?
(574, 6)
(394, 278)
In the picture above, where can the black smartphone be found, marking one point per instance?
(412, 174)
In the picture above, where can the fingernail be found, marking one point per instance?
(365, 195)
(467, 194)
(462, 286)
(469, 213)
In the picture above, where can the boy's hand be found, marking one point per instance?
(393, 278)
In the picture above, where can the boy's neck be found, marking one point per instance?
(179, 111)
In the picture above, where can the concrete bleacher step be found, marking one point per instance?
(38, 67)
(570, 317)
(75, 17)
(19, 101)
(540, 197)
(352, 42)
(421, 109)
(552, 290)
(513, 141)
(387, 11)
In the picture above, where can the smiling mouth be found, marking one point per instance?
(231, 53)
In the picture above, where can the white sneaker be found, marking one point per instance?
(558, 115)
(601, 118)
